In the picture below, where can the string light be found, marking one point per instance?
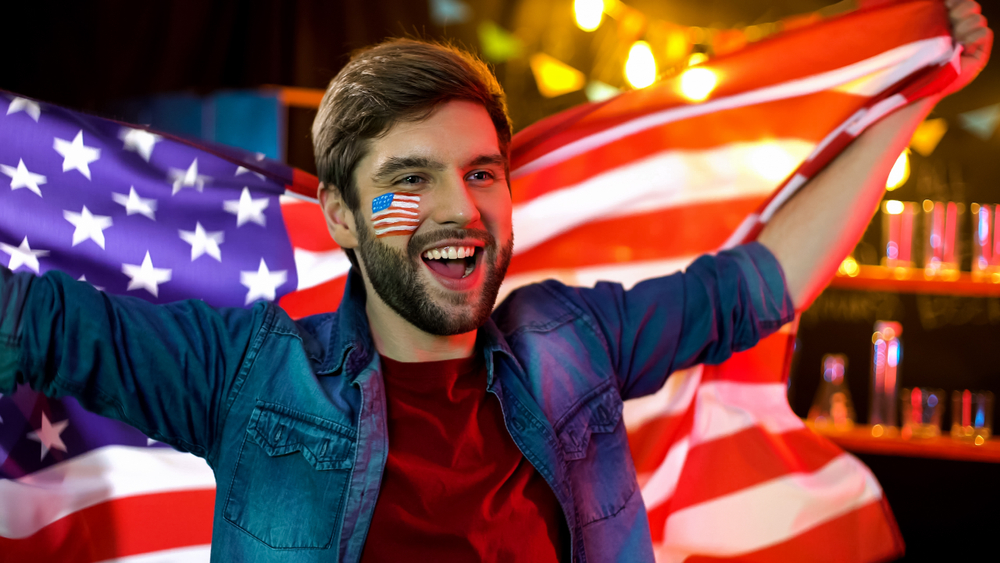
(893, 207)
(900, 172)
(640, 68)
(697, 83)
(588, 13)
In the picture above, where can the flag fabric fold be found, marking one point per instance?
(626, 189)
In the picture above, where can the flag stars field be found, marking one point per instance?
(204, 242)
(189, 178)
(146, 276)
(247, 209)
(21, 177)
(139, 141)
(48, 436)
(32, 109)
(76, 155)
(23, 255)
(134, 204)
(88, 226)
(262, 284)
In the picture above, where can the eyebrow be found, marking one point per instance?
(397, 164)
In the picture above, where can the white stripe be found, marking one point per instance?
(769, 513)
(672, 399)
(394, 229)
(394, 220)
(661, 486)
(391, 211)
(191, 554)
(923, 53)
(723, 408)
(292, 198)
(403, 205)
(669, 179)
(315, 268)
(43, 497)
(877, 111)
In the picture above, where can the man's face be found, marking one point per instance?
(440, 266)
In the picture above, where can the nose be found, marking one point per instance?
(454, 205)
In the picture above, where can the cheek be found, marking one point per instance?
(495, 211)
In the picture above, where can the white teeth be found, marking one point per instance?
(450, 253)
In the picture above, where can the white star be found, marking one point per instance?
(88, 226)
(247, 208)
(139, 141)
(145, 276)
(262, 283)
(204, 242)
(48, 435)
(135, 204)
(244, 170)
(75, 155)
(83, 278)
(21, 178)
(23, 255)
(33, 109)
(187, 178)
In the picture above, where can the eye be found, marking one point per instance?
(412, 179)
(481, 176)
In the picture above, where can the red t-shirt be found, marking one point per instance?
(455, 487)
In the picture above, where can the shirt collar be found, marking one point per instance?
(351, 347)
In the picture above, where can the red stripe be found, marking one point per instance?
(669, 233)
(866, 534)
(119, 528)
(651, 442)
(306, 226)
(323, 298)
(747, 458)
(764, 363)
(303, 183)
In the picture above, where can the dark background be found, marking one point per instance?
(93, 56)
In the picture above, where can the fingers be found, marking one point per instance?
(962, 8)
(965, 27)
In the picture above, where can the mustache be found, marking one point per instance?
(418, 242)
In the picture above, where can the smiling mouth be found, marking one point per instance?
(452, 262)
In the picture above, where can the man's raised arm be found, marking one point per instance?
(813, 232)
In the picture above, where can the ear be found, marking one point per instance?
(339, 219)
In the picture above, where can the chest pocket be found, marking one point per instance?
(596, 451)
(291, 478)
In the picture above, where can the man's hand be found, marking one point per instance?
(969, 30)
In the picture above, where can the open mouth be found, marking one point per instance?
(453, 262)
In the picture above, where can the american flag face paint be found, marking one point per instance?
(395, 214)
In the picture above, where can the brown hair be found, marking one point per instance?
(397, 80)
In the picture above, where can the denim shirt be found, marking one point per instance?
(291, 415)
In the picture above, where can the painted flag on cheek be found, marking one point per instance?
(623, 190)
(395, 214)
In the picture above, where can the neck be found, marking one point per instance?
(398, 339)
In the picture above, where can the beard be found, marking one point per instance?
(395, 277)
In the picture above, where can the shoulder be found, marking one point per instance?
(542, 306)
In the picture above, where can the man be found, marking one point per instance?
(413, 423)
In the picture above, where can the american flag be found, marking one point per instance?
(395, 214)
(627, 189)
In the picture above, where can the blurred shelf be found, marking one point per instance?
(860, 440)
(911, 280)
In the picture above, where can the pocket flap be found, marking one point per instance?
(600, 413)
(281, 431)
